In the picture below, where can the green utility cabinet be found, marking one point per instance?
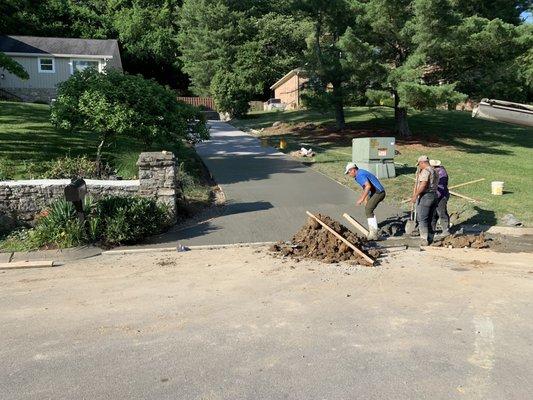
(375, 154)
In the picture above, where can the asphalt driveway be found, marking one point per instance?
(267, 193)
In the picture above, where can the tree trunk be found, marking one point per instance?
(400, 118)
(99, 158)
(338, 103)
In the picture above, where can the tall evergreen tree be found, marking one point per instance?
(326, 62)
(234, 50)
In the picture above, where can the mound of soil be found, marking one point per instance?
(462, 241)
(313, 241)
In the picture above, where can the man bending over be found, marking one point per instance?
(373, 194)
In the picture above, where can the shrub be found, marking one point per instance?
(112, 221)
(231, 93)
(128, 220)
(69, 167)
(114, 103)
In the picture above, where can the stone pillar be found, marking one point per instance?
(158, 179)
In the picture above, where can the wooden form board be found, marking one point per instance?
(466, 183)
(27, 264)
(347, 243)
(463, 197)
(352, 221)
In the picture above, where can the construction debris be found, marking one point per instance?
(464, 241)
(303, 152)
(313, 241)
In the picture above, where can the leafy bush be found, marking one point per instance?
(231, 94)
(130, 219)
(111, 221)
(68, 167)
(114, 103)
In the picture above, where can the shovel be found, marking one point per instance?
(410, 225)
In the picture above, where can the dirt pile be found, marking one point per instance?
(461, 241)
(313, 241)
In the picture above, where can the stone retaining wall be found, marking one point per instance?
(23, 200)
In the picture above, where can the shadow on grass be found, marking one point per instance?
(482, 216)
(433, 128)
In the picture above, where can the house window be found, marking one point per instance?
(46, 65)
(80, 65)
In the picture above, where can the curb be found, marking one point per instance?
(175, 248)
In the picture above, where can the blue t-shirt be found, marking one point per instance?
(363, 176)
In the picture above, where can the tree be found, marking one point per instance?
(12, 66)
(508, 11)
(146, 29)
(485, 58)
(238, 48)
(114, 104)
(327, 64)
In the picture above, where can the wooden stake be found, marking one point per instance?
(466, 183)
(338, 236)
(352, 221)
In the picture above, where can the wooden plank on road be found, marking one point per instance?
(352, 221)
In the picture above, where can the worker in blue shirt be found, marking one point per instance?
(373, 194)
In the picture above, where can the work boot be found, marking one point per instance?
(424, 239)
(372, 234)
(372, 228)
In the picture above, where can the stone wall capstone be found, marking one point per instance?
(23, 200)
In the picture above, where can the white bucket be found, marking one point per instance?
(497, 188)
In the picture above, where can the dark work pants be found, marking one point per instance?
(425, 208)
(373, 202)
(441, 213)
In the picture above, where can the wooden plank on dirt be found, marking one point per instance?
(346, 242)
(466, 183)
(352, 221)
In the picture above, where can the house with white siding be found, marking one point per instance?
(49, 61)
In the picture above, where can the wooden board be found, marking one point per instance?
(463, 197)
(27, 264)
(338, 236)
(466, 183)
(352, 221)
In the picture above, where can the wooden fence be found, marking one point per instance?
(207, 102)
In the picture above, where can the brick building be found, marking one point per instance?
(288, 89)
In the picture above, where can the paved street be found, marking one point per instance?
(236, 324)
(267, 192)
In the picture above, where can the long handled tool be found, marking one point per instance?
(410, 225)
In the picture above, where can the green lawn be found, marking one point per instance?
(469, 149)
(28, 141)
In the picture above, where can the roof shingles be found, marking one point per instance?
(48, 45)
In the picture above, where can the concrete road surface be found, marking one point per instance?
(235, 324)
(267, 193)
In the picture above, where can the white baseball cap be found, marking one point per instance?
(349, 166)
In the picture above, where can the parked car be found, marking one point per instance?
(274, 104)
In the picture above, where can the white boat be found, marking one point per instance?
(504, 111)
